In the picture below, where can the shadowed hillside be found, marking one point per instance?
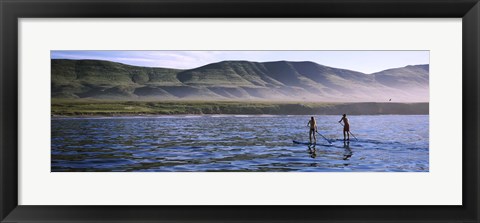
(237, 80)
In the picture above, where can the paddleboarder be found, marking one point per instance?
(313, 128)
(346, 127)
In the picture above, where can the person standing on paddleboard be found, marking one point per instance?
(346, 127)
(313, 128)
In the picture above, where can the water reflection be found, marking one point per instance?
(348, 152)
(312, 151)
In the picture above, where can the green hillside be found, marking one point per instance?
(104, 79)
(236, 80)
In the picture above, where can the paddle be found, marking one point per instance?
(323, 137)
(350, 132)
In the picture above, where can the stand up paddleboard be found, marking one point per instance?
(303, 143)
(310, 144)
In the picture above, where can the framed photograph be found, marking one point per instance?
(227, 111)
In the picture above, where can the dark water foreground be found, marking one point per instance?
(238, 143)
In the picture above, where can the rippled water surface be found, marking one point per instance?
(238, 143)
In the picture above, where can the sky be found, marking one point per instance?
(362, 61)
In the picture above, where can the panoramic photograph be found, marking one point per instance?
(239, 111)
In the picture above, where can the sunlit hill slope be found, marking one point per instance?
(237, 81)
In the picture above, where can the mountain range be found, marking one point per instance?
(237, 80)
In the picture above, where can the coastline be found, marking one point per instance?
(155, 108)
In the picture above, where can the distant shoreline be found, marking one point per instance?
(95, 108)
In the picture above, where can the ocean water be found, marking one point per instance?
(384, 143)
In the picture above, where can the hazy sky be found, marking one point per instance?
(363, 61)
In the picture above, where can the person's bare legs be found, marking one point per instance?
(348, 134)
(310, 136)
(314, 138)
(344, 136)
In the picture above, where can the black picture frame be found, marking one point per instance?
(12, 10)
